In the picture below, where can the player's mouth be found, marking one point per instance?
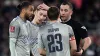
(62, 16)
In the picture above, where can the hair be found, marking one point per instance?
(53, 13)
(22, 5)
(67, 3)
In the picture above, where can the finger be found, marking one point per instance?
(40, 6)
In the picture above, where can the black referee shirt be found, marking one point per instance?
(80, 31)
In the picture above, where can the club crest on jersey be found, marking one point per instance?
(12, 29)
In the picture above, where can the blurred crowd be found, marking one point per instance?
(86, 12)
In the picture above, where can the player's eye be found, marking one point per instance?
(40, 14)
(61, 9)
(66, 10)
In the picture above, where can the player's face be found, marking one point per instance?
(29, 12)
(65, 12)
(42, 14)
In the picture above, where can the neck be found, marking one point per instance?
(53, 21)
(34, 21)
(22, 16)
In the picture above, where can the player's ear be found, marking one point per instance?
(59, 16)
(23, 10)
(71, 12)
(35, 12)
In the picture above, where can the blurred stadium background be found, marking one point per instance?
(86, 12)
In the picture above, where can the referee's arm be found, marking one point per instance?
(87, 43)
(86, 39)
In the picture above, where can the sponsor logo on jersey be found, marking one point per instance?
(83, 27)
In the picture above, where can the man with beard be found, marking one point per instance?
(20, 32)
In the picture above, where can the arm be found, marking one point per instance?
(86, 39)
(73, 45)
(72, 41)
(87, 43)
(12, 46)
(41, 47)
(13, 33)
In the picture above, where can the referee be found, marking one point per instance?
(80, 31)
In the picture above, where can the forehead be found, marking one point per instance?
(43, 12)
(64, 6)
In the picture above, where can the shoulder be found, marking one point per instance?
(75, 24)
(79, 25)
(14, 21)
(65, 25)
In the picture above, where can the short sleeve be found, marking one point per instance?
(70, 30)
(83, 32)
(13, 29)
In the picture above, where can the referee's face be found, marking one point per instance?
(65, 12)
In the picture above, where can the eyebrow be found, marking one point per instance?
(41, 9)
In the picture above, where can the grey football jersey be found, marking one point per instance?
(54, 37)
(25, 35)
(34, 48)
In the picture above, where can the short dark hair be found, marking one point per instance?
(67, 3)
(53, 13)
(22, 5)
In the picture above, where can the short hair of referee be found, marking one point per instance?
(67, 3)
(53, 13)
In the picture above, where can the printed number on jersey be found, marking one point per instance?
(55, 42)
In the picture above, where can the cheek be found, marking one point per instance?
(60, 13)
(42, 17)
(29, 12)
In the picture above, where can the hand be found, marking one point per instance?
(43, 6)
(78, 53)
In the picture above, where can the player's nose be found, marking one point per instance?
(62, 14)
